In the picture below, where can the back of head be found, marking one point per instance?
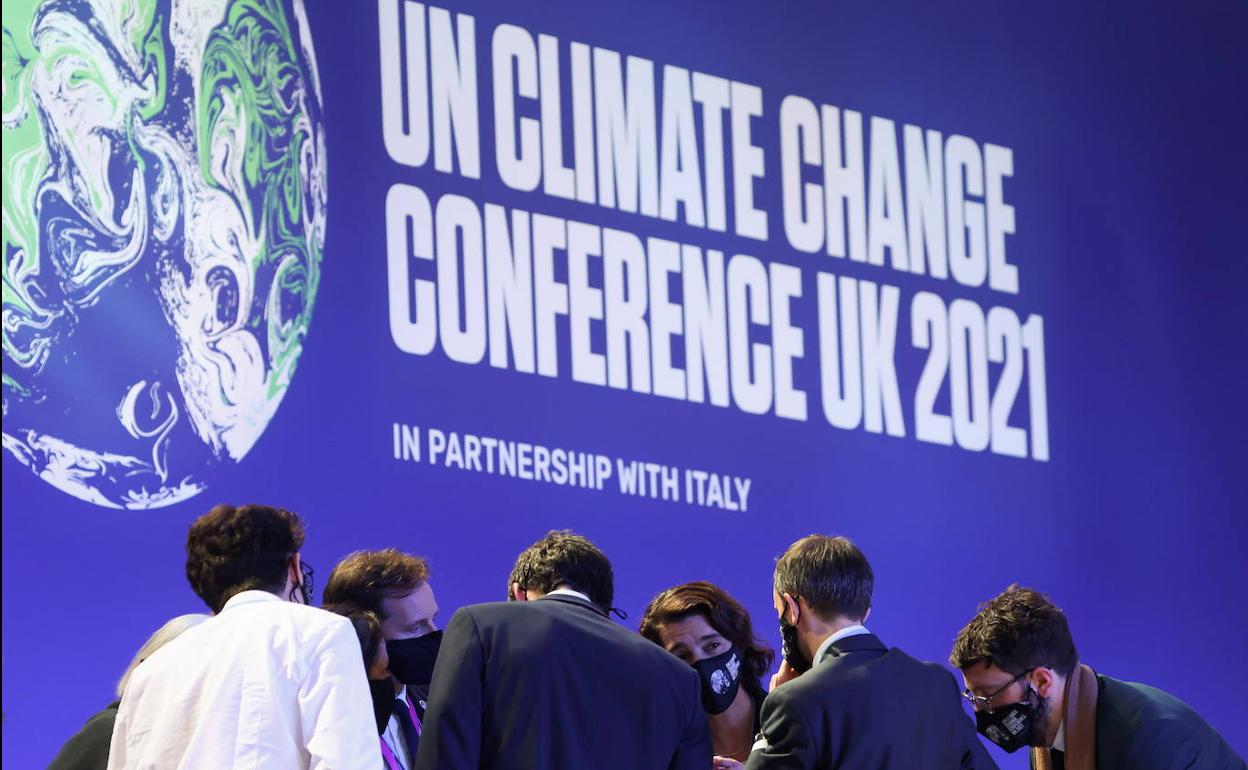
(1019, 629)
(232, 549)
(564, 559)
(830, 573)
(724, 614)
(165, 634)
(366, 578)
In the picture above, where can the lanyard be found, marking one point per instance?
(392, 761)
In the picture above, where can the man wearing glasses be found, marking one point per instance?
(267, 681)
(1024, 680)
(843, 698)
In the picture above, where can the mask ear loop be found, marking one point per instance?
(618, 613)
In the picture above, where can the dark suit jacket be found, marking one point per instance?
(88, 748)
(866, 706)
(554, 684)
(1142, 728)
(419, 696)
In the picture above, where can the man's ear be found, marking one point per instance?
(1044, 681)
(293, 575)
(519, 594)
(793, 607)
(865, 615)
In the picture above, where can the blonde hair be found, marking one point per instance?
(165, 634)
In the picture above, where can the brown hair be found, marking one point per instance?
(830, 573)
(365, 578)
(564, 558)
(724, 613)
(367, 629)
(232, 549)
(1017, 630)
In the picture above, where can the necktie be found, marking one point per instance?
(408, 727)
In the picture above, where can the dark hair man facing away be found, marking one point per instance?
(547, 680)
(267, 681)
(844, 699)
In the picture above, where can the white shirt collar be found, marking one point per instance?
(569, 592)
(1059, 740)
(250, 597)
(855, 630)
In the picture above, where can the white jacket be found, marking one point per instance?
(264, 684)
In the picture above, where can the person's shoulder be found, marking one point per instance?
(1143, 720)
(935, 674)
(851, 672)
(89, 746)
(487, 613)
(1164, 742)
(491, 613)
(301, 624)
(306, 615)
(1139, 703)
(896, 662)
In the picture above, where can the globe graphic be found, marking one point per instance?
(164, 198)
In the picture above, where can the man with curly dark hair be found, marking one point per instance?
(1028, 688)
(548, 681)
(267, 681)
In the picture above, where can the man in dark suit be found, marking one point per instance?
(844, 699)
(548, 681)
(1028, 687)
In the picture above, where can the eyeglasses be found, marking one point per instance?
(984, 702)
(306, 570)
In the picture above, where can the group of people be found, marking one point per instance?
(548, 680)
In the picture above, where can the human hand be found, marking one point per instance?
(786, 674)
(725, 763)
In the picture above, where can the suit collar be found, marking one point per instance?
(856, 643)
(568, 598)
(852, 630)
(250, 597)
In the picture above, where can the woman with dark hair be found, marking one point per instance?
(701, 624)
(376, 662)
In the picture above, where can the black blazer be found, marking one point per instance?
(554, 684)
(1142, 728)
(88, 748)
(868, 706)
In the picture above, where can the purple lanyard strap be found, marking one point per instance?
(392, 762)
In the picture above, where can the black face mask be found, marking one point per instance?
(721, 678)
(304, 586)
(790, 649)
(1014, 726)
(382, 692)
(304, 593)
(411, 660)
